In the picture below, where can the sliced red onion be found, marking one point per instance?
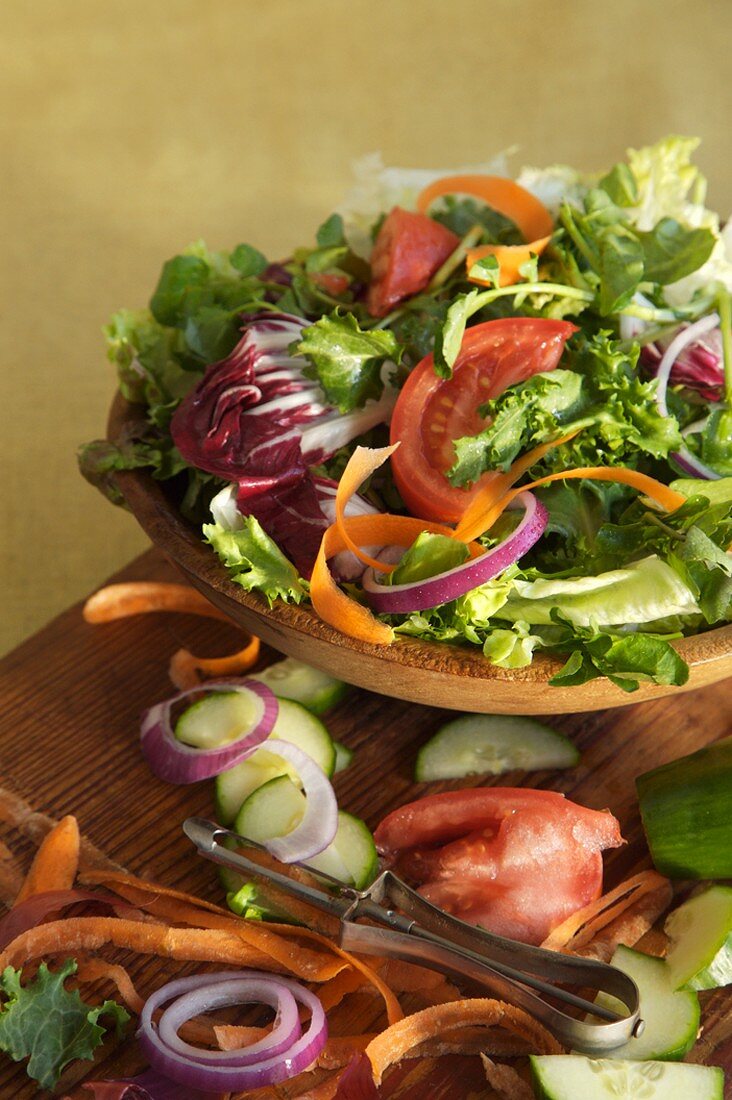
(688, 335)
(235, 1071)
(320, 820)
(285, 1032)
(683, 458)
(175, 762)
(419, 595)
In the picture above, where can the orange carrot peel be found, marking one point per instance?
(352, 532)
(187, 671)
(56, 862)
(117, 601)
(508, 198)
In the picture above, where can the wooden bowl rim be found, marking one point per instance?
(182, 543)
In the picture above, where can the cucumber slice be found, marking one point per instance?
(216, 719)
(277, 808)
(700, 930)
(480, 743)
(343, 757)
(291, 679)
(671, 1018)
(295, 724)
(686, 808)
(573, 1077)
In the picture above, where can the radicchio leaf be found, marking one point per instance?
(699, 367)
(257, 420)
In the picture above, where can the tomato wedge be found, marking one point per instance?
(408, 250)
(431, 412)
(513, 860)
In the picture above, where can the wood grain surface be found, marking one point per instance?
(72, 696)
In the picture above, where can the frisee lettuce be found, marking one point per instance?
(255, 562)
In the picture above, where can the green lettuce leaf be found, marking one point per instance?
(345, 360)
(50, 1025)
(716, 492)
(625, 660)
(643, 592)
(255, 562)
(428, 556)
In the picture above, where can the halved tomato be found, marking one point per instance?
(515, 861)
(408, 250)
(432, 412)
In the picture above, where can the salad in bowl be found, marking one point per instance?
(475, 409)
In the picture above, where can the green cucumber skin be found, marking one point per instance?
(686, 808)
(683, 1082)
(313, 689)
(672, 1017)
(447, 754)
(713, 968)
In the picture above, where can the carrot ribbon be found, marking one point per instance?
(508, 198)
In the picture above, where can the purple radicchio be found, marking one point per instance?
(700, 366)
(256, 420)
(299, 518)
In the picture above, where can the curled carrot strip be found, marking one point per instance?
(362, 464)
(117, 601)
(511, 258)
(486, 507)
(56, 862)
(504, 195)
(583, 926)
(509, 198)
(394, 1043)
(77, 934)
(187, 671)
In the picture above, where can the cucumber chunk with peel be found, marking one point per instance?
(686, 808)
(574, 1077)
(343, 757)
(700, 930)
(291, 679)
(294, 724)
(480, 743)
(276, 808)
(671, 1018)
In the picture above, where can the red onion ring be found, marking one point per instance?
(320, 820)
(237, 1072)
(175, 762)
(683, 458)
(398, 599)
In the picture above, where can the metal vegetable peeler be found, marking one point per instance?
(403, 925)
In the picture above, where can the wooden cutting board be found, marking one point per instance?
(71, 700)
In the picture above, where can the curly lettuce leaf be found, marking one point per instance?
(602, 395)
(50, 1025)
(255, 562)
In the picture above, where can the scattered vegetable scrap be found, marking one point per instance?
(118, 601)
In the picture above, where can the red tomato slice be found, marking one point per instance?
(432, 412)
(408, 250)
(515, 861)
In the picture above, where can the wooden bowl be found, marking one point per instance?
(457, 677)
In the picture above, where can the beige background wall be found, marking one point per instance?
(131, 128)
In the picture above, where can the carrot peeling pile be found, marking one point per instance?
(118, 601)
(171, 924)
